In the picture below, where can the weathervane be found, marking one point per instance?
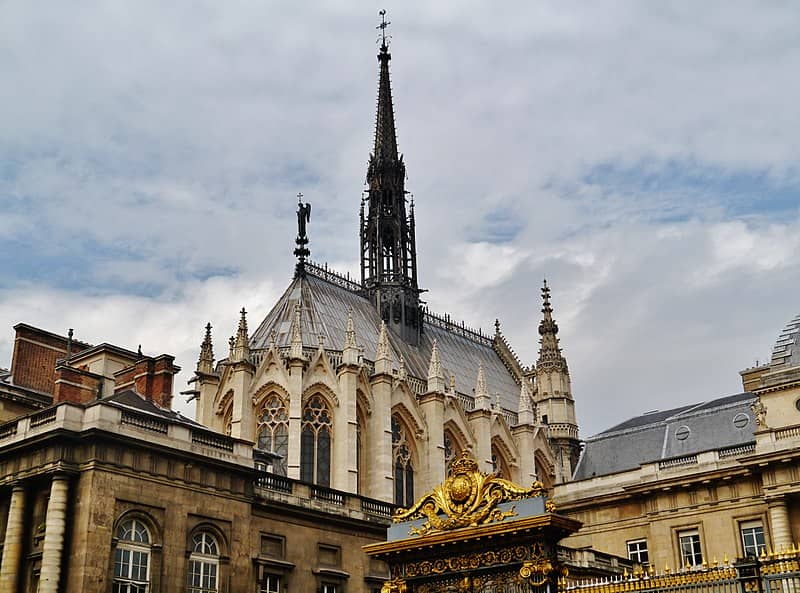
(301, 251)
(382, 26)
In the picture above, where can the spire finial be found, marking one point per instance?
(382, 351)
(296, 350)
(436, 382)
(241, 347)
(550, 357)
(525, 414)
(301, 252)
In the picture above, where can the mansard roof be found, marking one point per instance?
(722, 423)
(325, 299)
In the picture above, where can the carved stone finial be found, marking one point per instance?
(241, 349)
(482, 399)
(435, 371)
(403, 372)
(206, 362)
(296, 349)
(382, 351)
(525, 413)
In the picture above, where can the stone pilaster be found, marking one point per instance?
(779, 522)
(378, 455)
(480, 420)
(432, 405)
(345, 459)
(12, 545)
(55, 527)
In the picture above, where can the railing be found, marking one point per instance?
(322, 272)
(376, 507)
(787, 433)
(559, 429)
(8, 429)
(327, 495)
(719, 579)
(144, 422)
(43, 417)
(210, 439)
(467, 402)
(446, 323)
(274, 482)
(678, 462)
(736, 451)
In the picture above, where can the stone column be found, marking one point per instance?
(54, 527)
(779, 521)
(12, 546)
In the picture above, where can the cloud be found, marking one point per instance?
(642, 158)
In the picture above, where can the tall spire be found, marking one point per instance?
(388, 246)
(550, 357)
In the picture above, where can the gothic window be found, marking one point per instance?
(451, 450)
(403, 467)
(273, 430)
(204, 564)
(499, 465)
(315, 443)
(132, 558)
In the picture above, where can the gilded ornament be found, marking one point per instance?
(468, 497)
(395, 585)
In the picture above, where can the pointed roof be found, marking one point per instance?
(206, 362)
(325, 305)
(385, 135)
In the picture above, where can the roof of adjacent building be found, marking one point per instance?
(131, 399)
(717, 424)
(325, 306)
(786, 352)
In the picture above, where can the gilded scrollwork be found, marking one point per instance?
(468, 497)
(466, 562)
(395, 585)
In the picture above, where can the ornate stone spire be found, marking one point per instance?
(388, 245)
(435, 371)
(296, 348)
(525, 414)
(383, 363)
(483, 400)
(206, 362)
(241, 349)
(350, 351)
(550, 358)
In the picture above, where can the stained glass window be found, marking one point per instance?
(315, 443)
(273, 430)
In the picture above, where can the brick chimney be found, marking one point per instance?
(149, 377)
(76, 385)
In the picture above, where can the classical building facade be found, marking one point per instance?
(356, 385)
(696, 484)
(107, 489)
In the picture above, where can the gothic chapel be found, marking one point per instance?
(358, 387)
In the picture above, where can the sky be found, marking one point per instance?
(644, 157)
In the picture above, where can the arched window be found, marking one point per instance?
(451, 450)
(499, 465)
(315, 443)
(132, 558)
(273, 430)
(403, 467)
(204, 564)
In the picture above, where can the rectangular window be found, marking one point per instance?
(689, 544)
(329, 588)
(272, 546)
(753, 543)
(637, 551)
(271, 583)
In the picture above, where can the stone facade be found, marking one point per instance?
(724, 483)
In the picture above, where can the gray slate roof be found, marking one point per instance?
(324, 309)
(786, 352)
(656, 436)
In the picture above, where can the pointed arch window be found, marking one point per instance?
(273, 430)
(499, 465)
(315, 443)
(132, 558)
(403, 466)
(204, 564)
(451, 450)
